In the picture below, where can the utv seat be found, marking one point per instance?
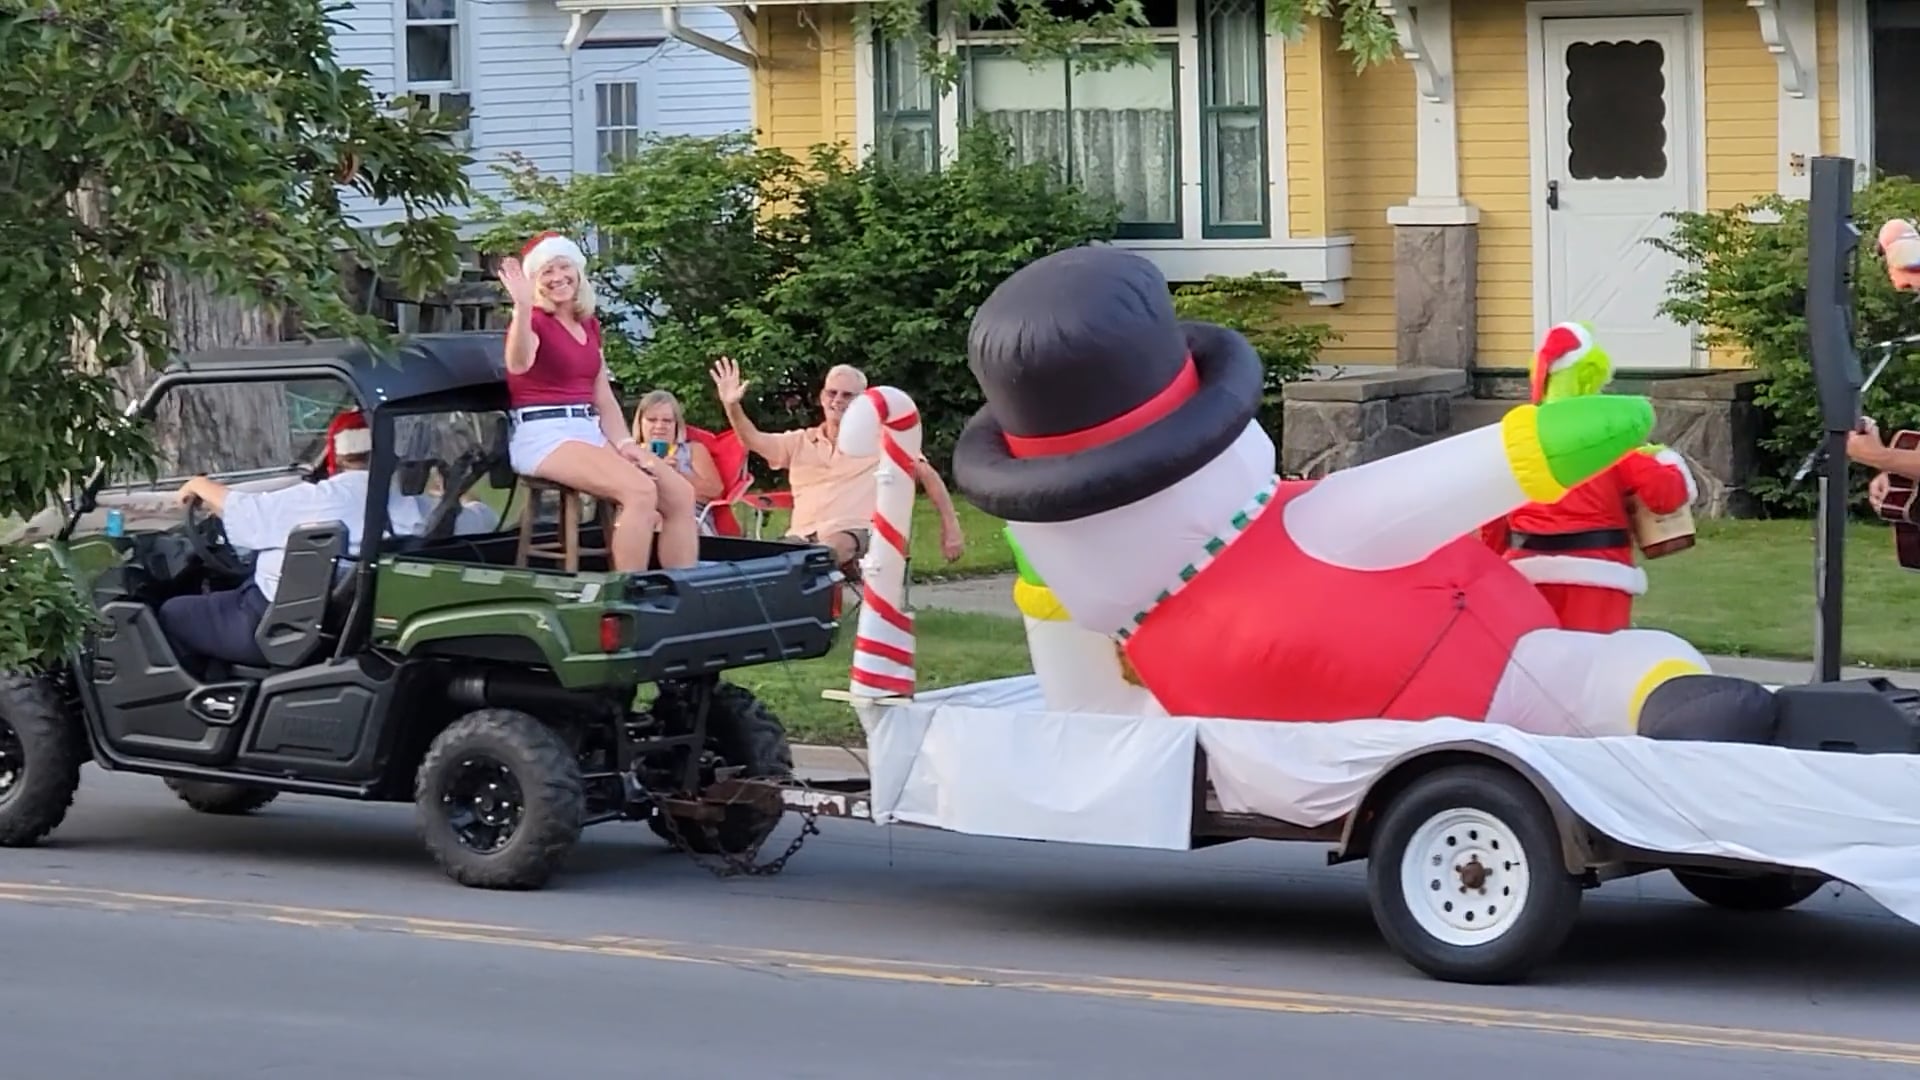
(309, 606)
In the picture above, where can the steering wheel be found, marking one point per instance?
(209, 539)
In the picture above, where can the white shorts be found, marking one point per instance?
(532, 441)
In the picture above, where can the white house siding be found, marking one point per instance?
(522, 80)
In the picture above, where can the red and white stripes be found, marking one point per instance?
(887, 421)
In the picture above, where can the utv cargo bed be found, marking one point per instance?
(746, 602)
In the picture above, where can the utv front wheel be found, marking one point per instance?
(227, 799)
(41, 748)
(500, 800)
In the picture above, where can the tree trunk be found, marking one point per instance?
(200, 429)
(212, 429)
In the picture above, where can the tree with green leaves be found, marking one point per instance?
(172, 175)
(1072, 28)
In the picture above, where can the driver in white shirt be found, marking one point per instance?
(220, 625)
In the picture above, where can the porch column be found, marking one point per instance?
(1790, 31)
(1436, 233)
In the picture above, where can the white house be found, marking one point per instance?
(526, 86)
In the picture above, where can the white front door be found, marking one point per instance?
(613, 104)
(1620, 130)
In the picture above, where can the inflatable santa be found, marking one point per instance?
(1121, 447)
(1579, 549)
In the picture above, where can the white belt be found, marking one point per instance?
(553, 412)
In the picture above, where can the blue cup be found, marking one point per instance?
(659, 447)
(116, 522)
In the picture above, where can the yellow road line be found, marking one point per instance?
(1205, 995)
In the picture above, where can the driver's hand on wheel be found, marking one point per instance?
(207, 491)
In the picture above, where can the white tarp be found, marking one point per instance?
(989, 760)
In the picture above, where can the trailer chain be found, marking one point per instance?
(726, 864)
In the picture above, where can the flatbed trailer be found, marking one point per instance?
(1480, 839)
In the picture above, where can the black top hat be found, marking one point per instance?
(1097, 395)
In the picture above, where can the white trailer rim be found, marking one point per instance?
(1464, 877)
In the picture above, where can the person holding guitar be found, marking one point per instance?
(1892, 491)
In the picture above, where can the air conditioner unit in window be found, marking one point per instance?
(456, 104)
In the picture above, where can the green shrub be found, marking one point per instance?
(1743, 285)
(891, 262)
(1256, 305)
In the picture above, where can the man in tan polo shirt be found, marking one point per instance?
(833, 493)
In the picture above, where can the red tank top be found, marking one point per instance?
(564, 369)
(1267, 632)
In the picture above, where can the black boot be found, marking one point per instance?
(1709, 708)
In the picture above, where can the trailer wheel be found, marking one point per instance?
(1466, 879)
(1749, 892)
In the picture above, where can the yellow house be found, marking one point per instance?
(1440, 210)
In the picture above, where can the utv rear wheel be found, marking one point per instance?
(41, 748)
(744, 733)
(227, 799)
(500, 800)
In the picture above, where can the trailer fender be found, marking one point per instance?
(1579, 847)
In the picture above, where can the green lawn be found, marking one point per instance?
(1747, 589)
(953, 647)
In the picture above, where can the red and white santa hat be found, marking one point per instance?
(547, 247)
(348, 436)
(1565, 345)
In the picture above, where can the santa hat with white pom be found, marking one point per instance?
(1565, 345)
(547, 247)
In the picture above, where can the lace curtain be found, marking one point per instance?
(1114, 133)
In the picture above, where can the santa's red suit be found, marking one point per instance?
(1579, 551)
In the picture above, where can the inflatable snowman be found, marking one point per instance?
(1121, 447)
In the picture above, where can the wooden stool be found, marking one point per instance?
(564, 549)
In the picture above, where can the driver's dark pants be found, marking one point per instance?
(215, 626)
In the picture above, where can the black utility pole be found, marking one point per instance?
(1832, 241)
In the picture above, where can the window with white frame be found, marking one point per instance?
(434, 58)
(1894, 27)
(1118, 131)
(1233, 118)
(906, 122)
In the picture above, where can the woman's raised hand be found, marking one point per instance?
(514, 279)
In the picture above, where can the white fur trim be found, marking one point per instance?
(1576, 570)
(353, 441)
(1669, 457)
(553, 247)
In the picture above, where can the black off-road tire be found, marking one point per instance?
(52, 746)
(745, 733)
(210, 797)
(1487, 810)
(545, 778)
(1749, 892)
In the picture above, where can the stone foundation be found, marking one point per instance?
(1713, 423)
(1355, 418)
(1435, 271)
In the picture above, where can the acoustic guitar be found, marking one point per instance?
(1898, 508)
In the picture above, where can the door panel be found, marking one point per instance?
(1619, 145)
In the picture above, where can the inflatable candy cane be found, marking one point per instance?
(885, 421)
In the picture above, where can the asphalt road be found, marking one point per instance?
(317, 940)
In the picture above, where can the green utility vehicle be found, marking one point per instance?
(513, 706)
